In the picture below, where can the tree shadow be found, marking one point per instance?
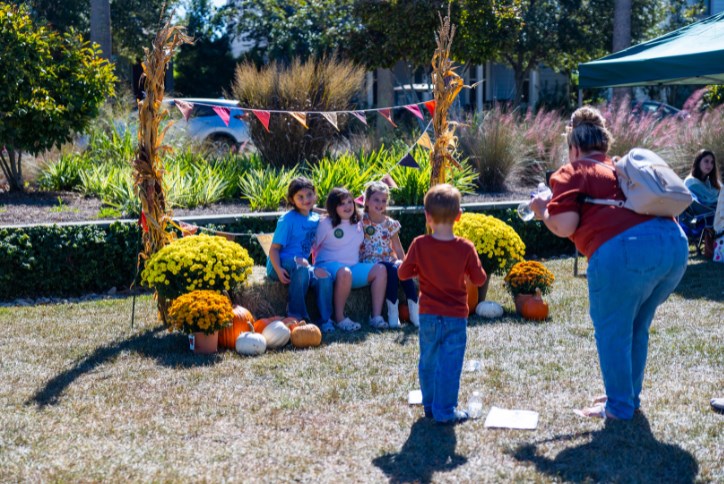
(430, 448)
(168, 349)
(622, 451)
(702, 281)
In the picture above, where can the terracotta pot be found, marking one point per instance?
(520, 300)
(205, 344)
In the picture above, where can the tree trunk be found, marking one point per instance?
(621, 38)
(100, 26)
(519, 74)
(10, 161)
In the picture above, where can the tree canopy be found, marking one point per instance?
(55, 84)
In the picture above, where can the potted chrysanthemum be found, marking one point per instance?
(524, 278)
(201, 314)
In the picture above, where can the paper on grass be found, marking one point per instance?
(414, 397)
(511, 419)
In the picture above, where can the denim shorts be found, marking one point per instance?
(360, 271)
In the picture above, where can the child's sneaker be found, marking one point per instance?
(327, 327)
(348, 325)
(378, 322)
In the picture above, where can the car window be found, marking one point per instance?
(200, 111)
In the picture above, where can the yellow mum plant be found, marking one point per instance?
(497, 244)
(204, 311)
(197, 262)
(524, 277)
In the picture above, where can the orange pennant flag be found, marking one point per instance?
(414, 110)
(263, 116)
(387, 114)
(301, 117)
(425, 141)
(332, 118)
(430, 105)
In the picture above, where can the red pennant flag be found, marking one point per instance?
(360, 200)
(263, 116)
(332, 118)
(224, 113)
(414, 110)
(184, 107)
(142, 221)
(430, 105)
(387, 114)
(361, 116)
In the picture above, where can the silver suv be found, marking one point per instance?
(205, 126)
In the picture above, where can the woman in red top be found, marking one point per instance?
(634, 261)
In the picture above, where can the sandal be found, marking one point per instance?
(348, 325)
(378, 322)
(596, 411)
(327, 327)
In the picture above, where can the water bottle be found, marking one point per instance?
(475, 405)
(525, 213)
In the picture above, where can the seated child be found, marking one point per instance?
(337, 248)
(441, 261)
(291, 245)
(382, 244)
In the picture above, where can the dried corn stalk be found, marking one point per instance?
(446, 86)
(147, 166)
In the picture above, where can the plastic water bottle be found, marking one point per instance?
(475, 405)
(525, 213)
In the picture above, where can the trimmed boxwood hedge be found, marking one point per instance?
(73, 260)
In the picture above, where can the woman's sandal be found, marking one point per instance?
(596, 411)
(378, 322)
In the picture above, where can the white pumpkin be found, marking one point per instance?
(250, 344)
(489, 309)
(277, 334)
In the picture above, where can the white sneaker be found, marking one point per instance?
(393, 314)
(414, 312)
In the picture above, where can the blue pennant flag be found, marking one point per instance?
(409, 161)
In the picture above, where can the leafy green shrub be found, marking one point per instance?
(63, 174)
(347, 170)
(325, 84)
(265, 189)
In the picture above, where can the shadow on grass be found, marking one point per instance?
(429, 449)
(702, 280)
(623, 451)
(168, 349)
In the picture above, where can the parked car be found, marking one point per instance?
(658, 109)
(205, 126)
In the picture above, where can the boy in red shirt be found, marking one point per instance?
(441, 261)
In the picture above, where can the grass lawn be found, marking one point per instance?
(86, 398)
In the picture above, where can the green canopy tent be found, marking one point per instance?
(690, 55)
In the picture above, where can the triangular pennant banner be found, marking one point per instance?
(360, 200)
(425, 141)
(360, 115)
(184, 107)
(387, 180)
(332, 118)
(387, 114)
(430, 105)
(263, 116)
(224, 113)
(301, 117)
(187, 229)
(409, 161)
(414, 110)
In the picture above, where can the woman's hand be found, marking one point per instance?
(539, 203)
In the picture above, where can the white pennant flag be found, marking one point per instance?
(332, 118)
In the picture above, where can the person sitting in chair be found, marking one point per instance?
(703, 181)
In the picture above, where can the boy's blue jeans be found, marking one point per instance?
(302, 278)
(442, 349)
(629, 276)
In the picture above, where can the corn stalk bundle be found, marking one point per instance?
(446, 86)
(147, 165)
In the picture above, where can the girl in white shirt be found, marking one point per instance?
(337, 250)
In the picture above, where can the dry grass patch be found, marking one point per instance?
(87, 398)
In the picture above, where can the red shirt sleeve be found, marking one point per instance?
(409, 267)
(474, 269)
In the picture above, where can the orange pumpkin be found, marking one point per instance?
(264, 322)
(404, 312)
(472, 295)
(535, 309)
(243, 321)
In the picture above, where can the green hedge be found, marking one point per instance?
(74, 260)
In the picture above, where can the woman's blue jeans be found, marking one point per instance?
(629, 276)
(442, 349)
(302, 278)
(393, 284)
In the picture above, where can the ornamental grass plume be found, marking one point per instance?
(497, 244)
(527, 276)
(200, 311)
(197, 262)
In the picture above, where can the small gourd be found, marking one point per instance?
(489, 309)
(277, 334)
(250, 343)
(292, 323)
(404, 311)
(306, 336)
(535, 309)
(240, 324)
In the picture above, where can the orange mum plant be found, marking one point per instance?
(524, 277)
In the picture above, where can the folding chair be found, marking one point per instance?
(694, 221)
